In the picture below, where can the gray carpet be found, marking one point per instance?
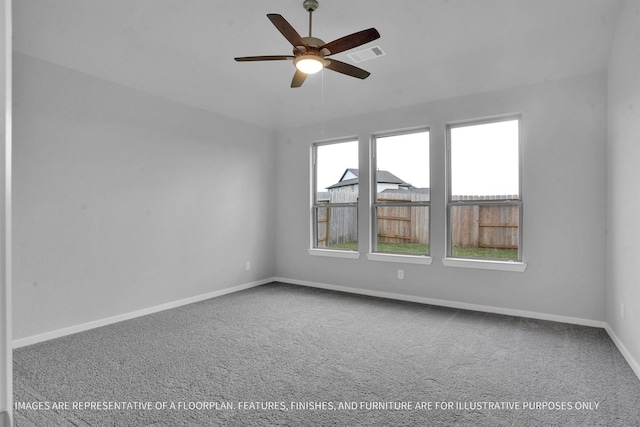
(308, 350)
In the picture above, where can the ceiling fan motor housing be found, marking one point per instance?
(313, 41)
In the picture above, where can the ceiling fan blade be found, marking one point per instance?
(348, 69)
(286, 29)
(298, 78)
(263, 58)
(351, 41)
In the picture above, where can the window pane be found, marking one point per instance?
(485, 231)
(336, 181)
(337, 169)
(403, 229)
(402, 163)
(337, 228)
(485, 161)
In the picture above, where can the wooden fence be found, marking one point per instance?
(493, 226)
(403, 224)
(340, 224)
(485, 226)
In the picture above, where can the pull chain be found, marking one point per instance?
(322, 96)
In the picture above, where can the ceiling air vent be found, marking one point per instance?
(366, 54)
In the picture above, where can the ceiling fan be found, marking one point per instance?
(310, 54)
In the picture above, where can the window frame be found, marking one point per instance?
(484, 263)
(315, 205)
(374, 254)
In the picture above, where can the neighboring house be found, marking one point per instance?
(386, 181)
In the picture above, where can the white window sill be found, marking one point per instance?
(485, 264)
(407, 259)
(334, 253)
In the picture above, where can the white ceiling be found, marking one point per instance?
(435, 49)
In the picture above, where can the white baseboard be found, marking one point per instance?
(447, 303)
(127, 316)
(625, 353)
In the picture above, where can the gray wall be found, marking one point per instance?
(564, 130)
(124, 201)
(623, 201)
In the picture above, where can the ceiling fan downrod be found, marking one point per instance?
(310, 6)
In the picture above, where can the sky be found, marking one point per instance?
(484, 159)
(406, 156)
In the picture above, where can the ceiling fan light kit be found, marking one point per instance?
(310, 54)
(308, 64)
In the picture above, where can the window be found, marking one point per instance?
(401, 193)
(484, 206)
(335, 195)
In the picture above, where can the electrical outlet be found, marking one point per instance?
(247, 265)
(400, 274)
(622, 310)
